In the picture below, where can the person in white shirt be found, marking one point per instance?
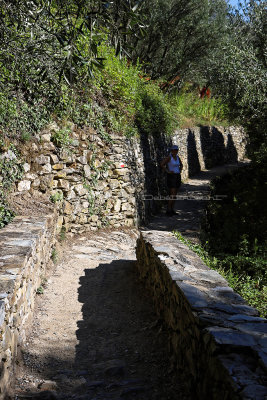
(173, 166)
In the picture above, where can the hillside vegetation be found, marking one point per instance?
(135, 67)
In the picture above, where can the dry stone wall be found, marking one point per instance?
(216, 339)
(25, 255)
(200, 148)
(93, 182)
(99, 180)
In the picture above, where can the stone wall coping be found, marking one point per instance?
(25, 251)
(222, 316)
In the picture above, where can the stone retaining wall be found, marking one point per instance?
(200, 148)
(216, 339)
(93, 181)
(101, 180)
(25, 254)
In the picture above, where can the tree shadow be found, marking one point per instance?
(232, 155)
(213, 147)
(154, 148)
(123, 346)
(192, 154)
(119, 341)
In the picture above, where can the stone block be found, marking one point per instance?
(46, 137)
(80, 190)
(26, 167)
(60, 175)
(46, 169)
(63, 184)
(31, 177)
(54, 159)
(59, 223)
(114, 183)
(57, 167)
(24, 186)
(42, 160)
(87, 171)
(83, 219)
(117, 206)
(121, 171)
(68, 208)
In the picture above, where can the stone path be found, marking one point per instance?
(95, 334)
(190, 204)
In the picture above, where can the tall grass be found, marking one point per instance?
(193, 110)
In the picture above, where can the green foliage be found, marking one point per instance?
(40, 290)
(155, 114)
(54, 256)
(10, 172)
(180, 36)
(6, 215)
(240, 214)
(62, 137)
(56, 197)
(238, 72)
(246, 275)
(62, 234)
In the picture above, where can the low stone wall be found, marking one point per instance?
(215, 337)
(25, 254)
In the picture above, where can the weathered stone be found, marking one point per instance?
(82, 160)
(63, 184)
(229, 336)
(121, 171)
(254, 392)
(126, 207)
(48, 146)
(42, 160)
(24, 186)
(94, 218)
(68, 208)
(80, 190)
(57, 167)
(114, 183)
(54, 158)
(59, 223)
(87, 171)
(129, 222)
(83, 219)
(117, 206)
(46, 137)
(31, 177)
(71, 195)
(36, 183)
(26, 167)
(46, 169)
(48, 385)
(208, 276)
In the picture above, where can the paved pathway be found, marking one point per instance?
(95, 335)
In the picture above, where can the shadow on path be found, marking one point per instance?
(121, 342)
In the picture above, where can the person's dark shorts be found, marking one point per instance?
(173, 181)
